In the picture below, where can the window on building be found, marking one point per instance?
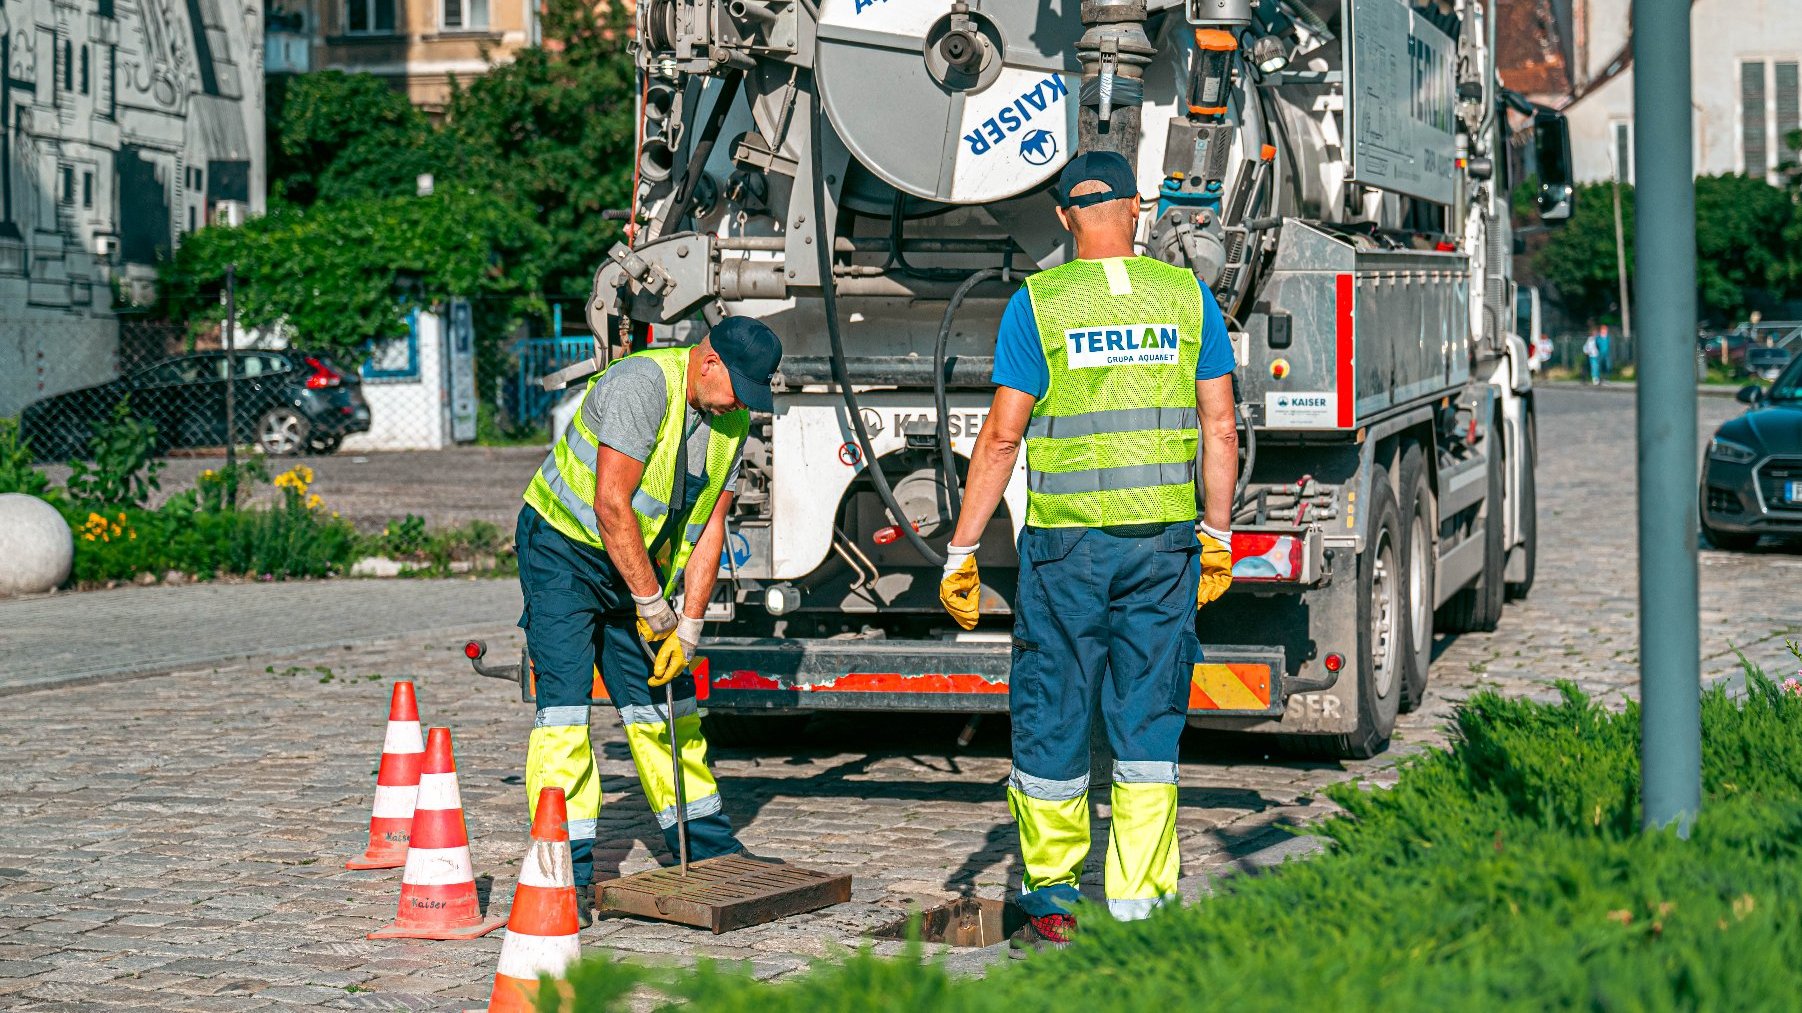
(68, 65)
(1621, 132)
(84, 70)
(1789, 113)
(65, 191)
(369, 17)
(1753, 143)
(464, 15)
(87, 189)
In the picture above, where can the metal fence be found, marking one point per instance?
(534, 358)
(417, 392)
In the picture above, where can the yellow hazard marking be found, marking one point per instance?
(1230, 687)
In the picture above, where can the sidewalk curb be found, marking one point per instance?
(1628, 386)
(127, 674)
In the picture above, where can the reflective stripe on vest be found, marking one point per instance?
(563, 489)
(1113, 440)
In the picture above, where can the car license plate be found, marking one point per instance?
(1792, 492)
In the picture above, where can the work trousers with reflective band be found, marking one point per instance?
(1106, 620)
(579, 621)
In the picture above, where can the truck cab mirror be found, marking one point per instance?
(1750, 394)
(1551, 146)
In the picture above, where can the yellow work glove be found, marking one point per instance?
(677, 652)
(656, 619)
(960, 590)
(1216, 564)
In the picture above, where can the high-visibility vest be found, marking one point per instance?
(563, 490)
(1113, 440)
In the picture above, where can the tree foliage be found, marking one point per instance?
(524, 161)
(342, 273)
(1748, 248)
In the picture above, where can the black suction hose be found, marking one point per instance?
(948, 461)
(840, 373)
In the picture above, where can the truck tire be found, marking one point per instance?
(1478, 608)
(1419, 522)
(1382, 604)
(731, 730)
(1529, 511)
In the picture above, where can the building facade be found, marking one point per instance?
(1744, 77)
(124, 124)
(418, 45)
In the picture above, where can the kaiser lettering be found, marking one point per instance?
(1016, 114)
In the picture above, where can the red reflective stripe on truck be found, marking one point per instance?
(1347, 385)
(868, 682)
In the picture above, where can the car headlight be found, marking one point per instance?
(1733, 453)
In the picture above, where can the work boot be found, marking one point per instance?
(584, 906)
(1042, 932)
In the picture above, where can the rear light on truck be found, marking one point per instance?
(1266, 557)
(323, 375)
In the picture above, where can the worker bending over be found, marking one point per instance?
(639, 483)
(1101, 366)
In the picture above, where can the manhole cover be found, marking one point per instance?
(726, 893)
(966, 921)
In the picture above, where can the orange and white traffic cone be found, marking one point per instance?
(396, 785)
(542, 927)
(438, 886)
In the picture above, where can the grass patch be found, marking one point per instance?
(1507, 872)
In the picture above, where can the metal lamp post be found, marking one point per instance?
(1665, 254)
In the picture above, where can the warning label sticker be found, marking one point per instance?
(1301, 410)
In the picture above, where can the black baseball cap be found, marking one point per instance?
(1109, 167)
(751, 352)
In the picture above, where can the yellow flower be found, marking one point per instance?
(134, 536)
(314, 502)
(209, 473)
(121, 517)
(306, 473)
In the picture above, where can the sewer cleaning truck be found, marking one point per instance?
(872, 178)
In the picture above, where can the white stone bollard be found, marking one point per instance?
(36, 546)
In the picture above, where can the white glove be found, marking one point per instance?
(656, 619)
(688, 630)
(956, 554)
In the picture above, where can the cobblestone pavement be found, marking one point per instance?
(446, 487)
(177, 842)
(62, 638)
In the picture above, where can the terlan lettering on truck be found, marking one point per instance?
(1122, 345)
(1015, 115)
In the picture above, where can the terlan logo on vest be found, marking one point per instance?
(1122, 345)
(1014, 116)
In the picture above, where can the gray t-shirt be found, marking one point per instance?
(624, 408)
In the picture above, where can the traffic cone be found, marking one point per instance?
(438, 886)
(396, 785)
(542, 927)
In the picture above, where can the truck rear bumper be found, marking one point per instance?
(760, 674)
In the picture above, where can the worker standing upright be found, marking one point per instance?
(638, 484)
(1111, 368)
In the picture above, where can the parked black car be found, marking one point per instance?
(287, 402)
(1752, 476)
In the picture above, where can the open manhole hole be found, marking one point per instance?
(967, 921)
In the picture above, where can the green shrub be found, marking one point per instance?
(16, 471)
(123, 472)
(1507, 872)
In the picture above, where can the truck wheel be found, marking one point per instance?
(1478, 608)
(1529, 512)
(1419, 522)
(730, 730)
(1382, 612)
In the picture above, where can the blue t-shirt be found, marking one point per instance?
(1020, 357)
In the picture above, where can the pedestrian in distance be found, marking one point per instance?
(639, 484)
(1111, 369)
(1593, 356)
(1605, 359)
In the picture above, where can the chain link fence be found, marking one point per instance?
(274, 396)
